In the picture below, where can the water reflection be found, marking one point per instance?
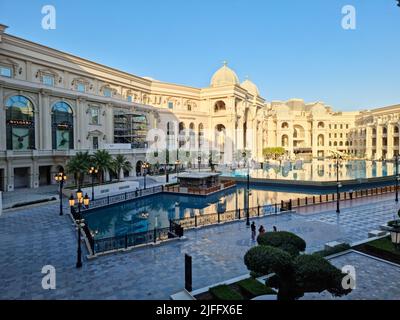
(155, 211)
(318, 170)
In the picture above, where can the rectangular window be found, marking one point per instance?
(107, 92)
(170, 105)
(81, 87)
(48, 80)
(5, 71)
(129, 98)
(94, 116)
(95, 143)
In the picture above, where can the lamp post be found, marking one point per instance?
(93, 172)
(177, 163)
(338, 185)
(79, 222)
(145, 166)
(61, 178)
(199, 160)
(397, 177)
(247, 190)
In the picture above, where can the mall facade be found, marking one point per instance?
(54, 104)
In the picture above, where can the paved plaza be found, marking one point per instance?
(33, 237)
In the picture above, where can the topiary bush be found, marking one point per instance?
(315, 274)
(266, 259)
(283, 240)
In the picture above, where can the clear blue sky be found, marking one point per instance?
(289, 48)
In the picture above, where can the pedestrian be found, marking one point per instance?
(253, 231)
(261, 230)
(274, 228)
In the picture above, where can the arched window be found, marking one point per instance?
(335, 144)
(201, 134)
(285, 125)
(20, 123)
(321, 140)
(181, 133)
(62, 126)
(219, 106)
(192, 135)
(341, 143)
(285, 141)
(321, 125)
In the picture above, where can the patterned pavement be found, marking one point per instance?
(34, 237)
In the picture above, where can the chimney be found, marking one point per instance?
(2, 29)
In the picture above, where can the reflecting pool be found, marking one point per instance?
(318, 170)
(155, 211)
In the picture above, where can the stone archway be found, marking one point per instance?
(139, 168)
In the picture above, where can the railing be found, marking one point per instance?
(227, 216)
(197, 191)
(109, 200)
(271, 209)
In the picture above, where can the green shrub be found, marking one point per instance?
(254, 288)
(284, 240)
(224, 292)
(266, 259)
(330, 251)
(315, 274)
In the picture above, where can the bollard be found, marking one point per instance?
(188, 273)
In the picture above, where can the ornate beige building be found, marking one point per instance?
(54, 104)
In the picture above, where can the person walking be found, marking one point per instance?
(261, 230)
(274, 228)
(253, 231)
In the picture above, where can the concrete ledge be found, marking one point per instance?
(333, 244)
(183, 295)
(377, 233)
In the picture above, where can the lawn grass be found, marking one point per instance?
(334, 250)
(382, 248)
(225, 292)
(254, 288)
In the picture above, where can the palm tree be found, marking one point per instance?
(78, 166)
(120, 163)
(103, 161)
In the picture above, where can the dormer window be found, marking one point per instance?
(48, 80)
(189, 107)
(170, 105)
(5, 71)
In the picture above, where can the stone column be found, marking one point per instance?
(390, 138)
(10, 171)
(3, 134)
(368, 138)
(45, 141)
(379, 144)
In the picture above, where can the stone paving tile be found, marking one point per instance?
(375, 280)
(31, 238)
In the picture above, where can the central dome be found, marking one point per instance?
(224, 77)
(250, 87)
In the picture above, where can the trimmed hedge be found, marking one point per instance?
(283, 240)
(266, 259)
(254, 288)
(224, 292)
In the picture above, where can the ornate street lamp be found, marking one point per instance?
(61, 178)
(338, 184)
(93, 172)
(199, 160)
(397, 177)
(79, 222)
(248, 189)
(177, 163)
(145, 166)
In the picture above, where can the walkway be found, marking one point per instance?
(32, 238)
